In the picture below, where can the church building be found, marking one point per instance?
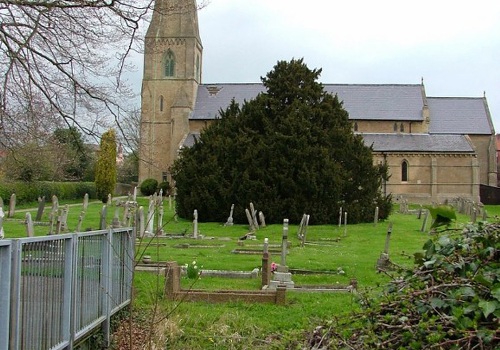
(437, 148)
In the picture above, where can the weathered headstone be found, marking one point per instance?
(266, 264)
(126, 213)
(159, 230)
(41, 208)
(195, 223)
(375, 219)
(150, 217)
(116, 219)
(102, 221)
(30, 229)
(262, 219)
(64, 218)
(419, 215)
(383, 263)
(12, 206)
(340, 217)
(253, 212)
(55, 203)
(110, 200)
(134, 196)
(474, 215)
(80, 221)
(140, 227)
(2, 215)
(229, 221)
(85, 202)
(250, 220)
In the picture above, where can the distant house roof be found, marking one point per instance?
(459, 115)
(418, 143)
(366, 102)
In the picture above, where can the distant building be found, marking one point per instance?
(437, 148)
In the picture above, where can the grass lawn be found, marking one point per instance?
(261, 326)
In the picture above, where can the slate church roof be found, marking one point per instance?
(450, 117)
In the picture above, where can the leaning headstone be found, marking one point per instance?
(41, 208)
(2, 215)
(195, 223)
(85, 202)
(253, 212)
(250, 220)
(419, 215)
(102, 221)
(30, 229)
(229, 221)
(12, 206)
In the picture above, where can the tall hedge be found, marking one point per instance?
(105, 175)
(290, 151)
(27, 192)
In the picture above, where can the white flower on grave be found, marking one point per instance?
(194, 262)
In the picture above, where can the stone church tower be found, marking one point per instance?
(172, 73)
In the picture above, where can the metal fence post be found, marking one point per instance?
(107, 282)
(5, 282)
(15, 300)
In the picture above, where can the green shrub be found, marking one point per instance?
(149, 187)
(29, 192)
(105, 173)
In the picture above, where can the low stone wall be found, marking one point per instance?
(174, 292)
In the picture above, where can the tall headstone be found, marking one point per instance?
(384, 262)
(195, 223)
(345, 224)
(253, 212)
(229, 221)
(110, 200)
(340, 217)
(159, 230)
(30, 229)
(266, 264)
(140, 227)
(41, 208)
(85, 201)
(250, 220)
(282, 277)
(262, 219)
(12, 206)
(102, 221)
(2, 215)
(375, 219)
(134, 196)
(424, 223)
(150, 217)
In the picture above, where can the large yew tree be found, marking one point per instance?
(290, 151)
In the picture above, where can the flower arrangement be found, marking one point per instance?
(193, 270)
(274, 266)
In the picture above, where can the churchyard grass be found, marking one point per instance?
(200, 325)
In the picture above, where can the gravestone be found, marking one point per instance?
(424, 223)
(30, 229)
(262, 219)
(340, 217)
(282, 277)
(80, 221)
(55, 203)
(375, 218)
(195, 224)
(140, 222)
(150, 217)
(64, 218)
(116, 219)
(266, 265)
(229, 221)
(85, 202)
(126, 213)
(250, 220)
(384, 263)
(12, 206)
(134, 196)
(110, 200)
(159, 230)
(345, 224)
(474, 215)
(301, 233)
(41, 208)
(253, 212)
(102, 221)
(2, 215)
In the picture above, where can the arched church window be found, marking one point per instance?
(161, 103)
(404, 171)
(355, 126)
(169, 64)
(402, 127)
(395, 127)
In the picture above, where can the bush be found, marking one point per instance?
(29, 192)
(149, 187)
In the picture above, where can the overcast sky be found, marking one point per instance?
(453, 45)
